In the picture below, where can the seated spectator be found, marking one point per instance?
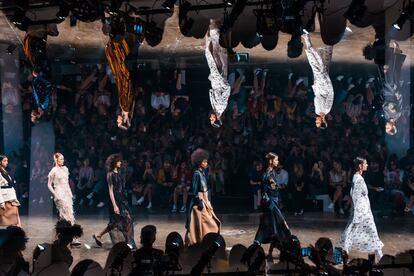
(56, 256)
(298, 183)
(255, 180)
(217, 168)
(375, 183)
(317, 181)
(102, 97)
(237, 100)
(166, 180)
(353, 107)
(100, 186)
(393, 184)
(184, 175)
(85, 183)
(160, 102)
(12, 244)
(180, 100)
(282, 180)
(409, 187)
(146, 258)
(337, 183)
(148, 184)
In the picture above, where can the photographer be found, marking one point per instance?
(146, 258)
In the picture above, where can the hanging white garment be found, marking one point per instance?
(361, 233)
(319, 59)
(217, 62)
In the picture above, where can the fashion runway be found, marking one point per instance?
(396, 234)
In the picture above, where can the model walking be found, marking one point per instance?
(58, 185)
(361, 233)
(9, 205)
(119, 214)
(319, 59)
(217, 62)
(273, 227)
(201, 219)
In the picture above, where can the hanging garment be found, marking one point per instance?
(319, 59)
(217, 62)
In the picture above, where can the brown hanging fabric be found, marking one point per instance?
(116, 53)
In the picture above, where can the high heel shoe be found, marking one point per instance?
(97, 241)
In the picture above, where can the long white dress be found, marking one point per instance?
(64, 198)
(217, 62)
(361, 233)
(319, 59)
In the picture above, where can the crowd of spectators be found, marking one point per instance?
(266, 112)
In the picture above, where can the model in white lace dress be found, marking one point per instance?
(58, 185)
(217, 62)
(361, 233)
(319, 59)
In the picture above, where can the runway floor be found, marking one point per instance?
(397, 234)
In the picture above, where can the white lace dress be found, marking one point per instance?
(64, 198)
(319, 59)
(217, 62)
(361, 233)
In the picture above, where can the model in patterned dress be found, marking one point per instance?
(361, 233)
(319, 59)
(58, 184)
(217, 62)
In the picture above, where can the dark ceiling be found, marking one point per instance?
(86, 40)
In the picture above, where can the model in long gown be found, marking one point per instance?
(59, 176)
(361, 233)
(201, 219)
(217, 61)
(319, 59)
(273, 227)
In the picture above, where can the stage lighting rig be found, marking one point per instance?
(63, 11)
(10, 49)
(205, 259)
(406, 13)
(356, 11)
(185, 23)
(169, 4)
(265, 22)
(19, 19)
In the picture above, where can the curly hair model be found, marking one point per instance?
(201, 218)
(119, 213)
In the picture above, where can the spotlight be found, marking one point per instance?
(10, 49)
(355, 11)
(216, 241)
(113, 9)
(19, 18)
(241, 57)
(153, 34)
(169, 4)
(73, 20)
(185, 23)
(406, 13)
(254, 258)
(265, 22)
(63, 12)
(295, 46)
(229, 3)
